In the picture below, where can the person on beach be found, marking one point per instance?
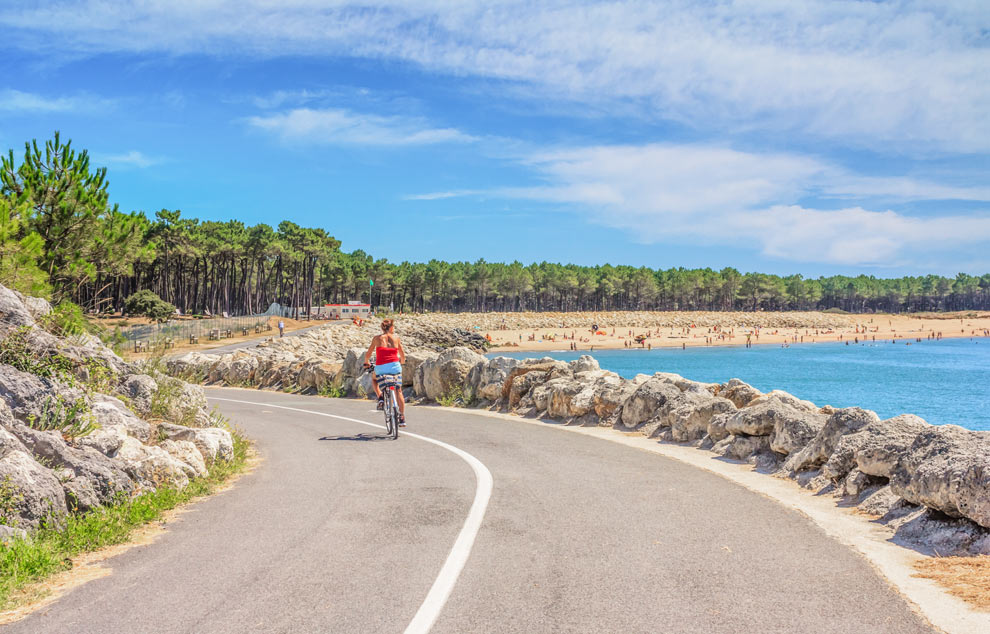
(281, 328)
(389, 357)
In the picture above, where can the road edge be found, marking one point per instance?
(894, 563)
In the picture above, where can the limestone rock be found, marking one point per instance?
(94, 475)
(36, 492)
(584, 363)
(875, 448)
(844, 421)
(152, 467)
(740, 393)
(188, 453)
(645, 402)
(109, 411)
(13, 313)
(139, 389)
(213, 443)
(414, 359)
(690, 417)
(448, 371)
(947, 468)
(488, 379)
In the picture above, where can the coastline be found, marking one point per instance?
(858, 329)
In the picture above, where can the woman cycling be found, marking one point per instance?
(389, 357)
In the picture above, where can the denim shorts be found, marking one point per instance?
(388, 368)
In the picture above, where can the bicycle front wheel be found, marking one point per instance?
(392, 407)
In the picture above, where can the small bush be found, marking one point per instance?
(150, 305)
(65, 320)
(15, 351)
(456, 397)
(330, 390)
(73, 420)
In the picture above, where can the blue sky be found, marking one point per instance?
(779, 136)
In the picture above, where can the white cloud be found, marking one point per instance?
(18, 101)
(132, 158)
(716, 195)
(885, 75)
(338, 126)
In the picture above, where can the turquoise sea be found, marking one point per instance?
(944, 381)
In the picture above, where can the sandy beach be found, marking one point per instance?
(730, 329)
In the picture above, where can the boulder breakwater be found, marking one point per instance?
(81, 428)
(930, 484)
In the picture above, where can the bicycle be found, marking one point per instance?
(388, 384)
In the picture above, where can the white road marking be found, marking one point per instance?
(435, 599)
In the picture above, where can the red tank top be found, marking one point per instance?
(386, 355)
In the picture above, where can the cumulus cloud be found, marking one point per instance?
(717, 195)
(905, 73)
(338, 126)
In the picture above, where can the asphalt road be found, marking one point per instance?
(340, 530)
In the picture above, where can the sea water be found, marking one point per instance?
(944, 381)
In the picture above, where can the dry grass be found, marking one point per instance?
(965, 577)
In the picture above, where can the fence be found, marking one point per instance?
(187, 329)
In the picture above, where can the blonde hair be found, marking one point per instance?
(387, 324)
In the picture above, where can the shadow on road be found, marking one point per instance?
(357, 437)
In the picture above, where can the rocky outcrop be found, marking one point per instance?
(66, 445)
(947, 468)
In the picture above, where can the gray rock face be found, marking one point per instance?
(844, 421)
(875, 448)
(314, 374)
(213, 443)
(947, 468)
(13, 313)
(741, 394)
(187, 453)
(795, 428)
(139, 388)
(742, 447)
(24, 393)
(488, 379)
(36, 492)
(646, 401)
(690, 418)
(94, 476)
(111, 412)
(584, 363)
(716, 427)
(449, 371)
(152, 467)
(414, 359)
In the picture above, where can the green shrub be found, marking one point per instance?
(150, 305)
(72, 420)
(15, 352)
(331, 391)
(66, 319)
(456, 397)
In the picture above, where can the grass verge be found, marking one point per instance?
(965, 577)
(50, 550)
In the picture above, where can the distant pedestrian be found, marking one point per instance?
(281, 328)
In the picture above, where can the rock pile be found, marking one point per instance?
(930, 483)
(75, 431)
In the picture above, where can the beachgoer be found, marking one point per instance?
(389, 357)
